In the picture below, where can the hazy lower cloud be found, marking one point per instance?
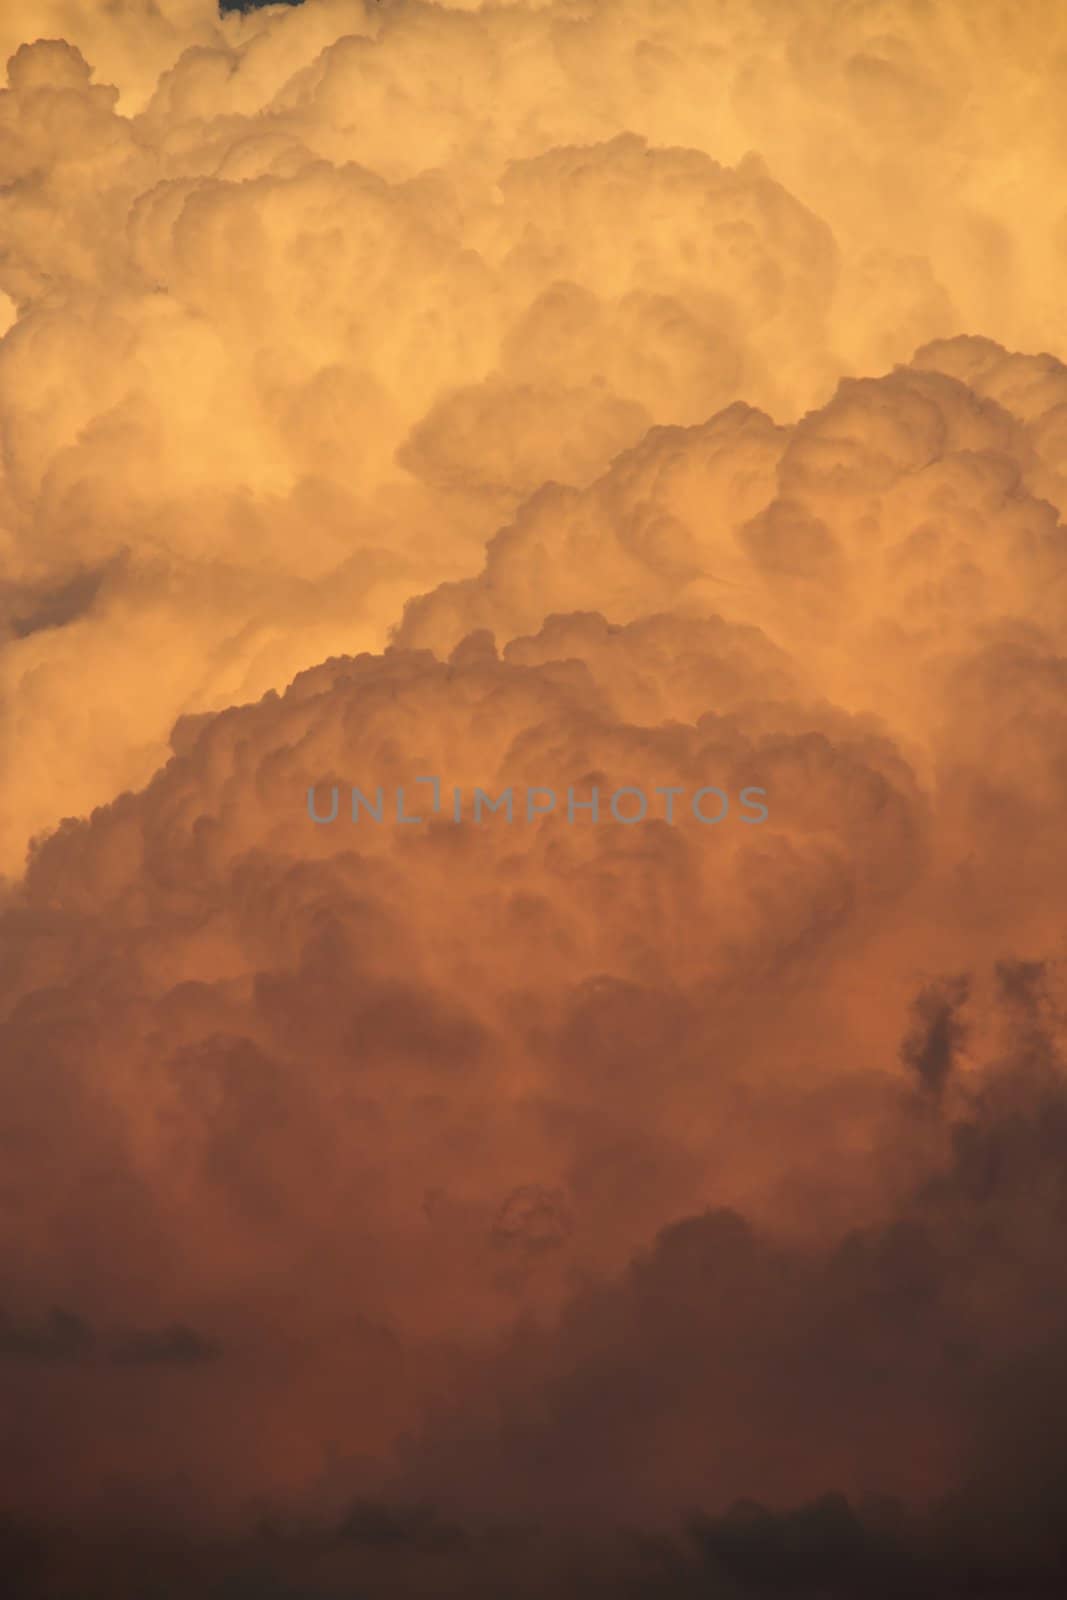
(567, 396)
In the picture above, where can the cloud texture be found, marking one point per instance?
(310, 300)
(562, 395)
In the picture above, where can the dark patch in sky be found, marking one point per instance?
(254, 5)
(65, 1337)
(937, 1033)
(176, 1346)
(61, 1336)
(25, 610)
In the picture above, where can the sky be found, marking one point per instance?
(633, 399)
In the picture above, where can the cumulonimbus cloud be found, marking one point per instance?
(557, 396)
(512, 1054)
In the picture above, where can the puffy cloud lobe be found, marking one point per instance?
(894, 540)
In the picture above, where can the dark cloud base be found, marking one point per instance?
(879, 1320)
(827, 1548)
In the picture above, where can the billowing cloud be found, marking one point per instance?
(266, 1044)
(304, 303)
(630, 440)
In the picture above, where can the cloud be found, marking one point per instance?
(542, 397)
(596, 1075)
(937, 1033)
(474, 1129)
(306, 302)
